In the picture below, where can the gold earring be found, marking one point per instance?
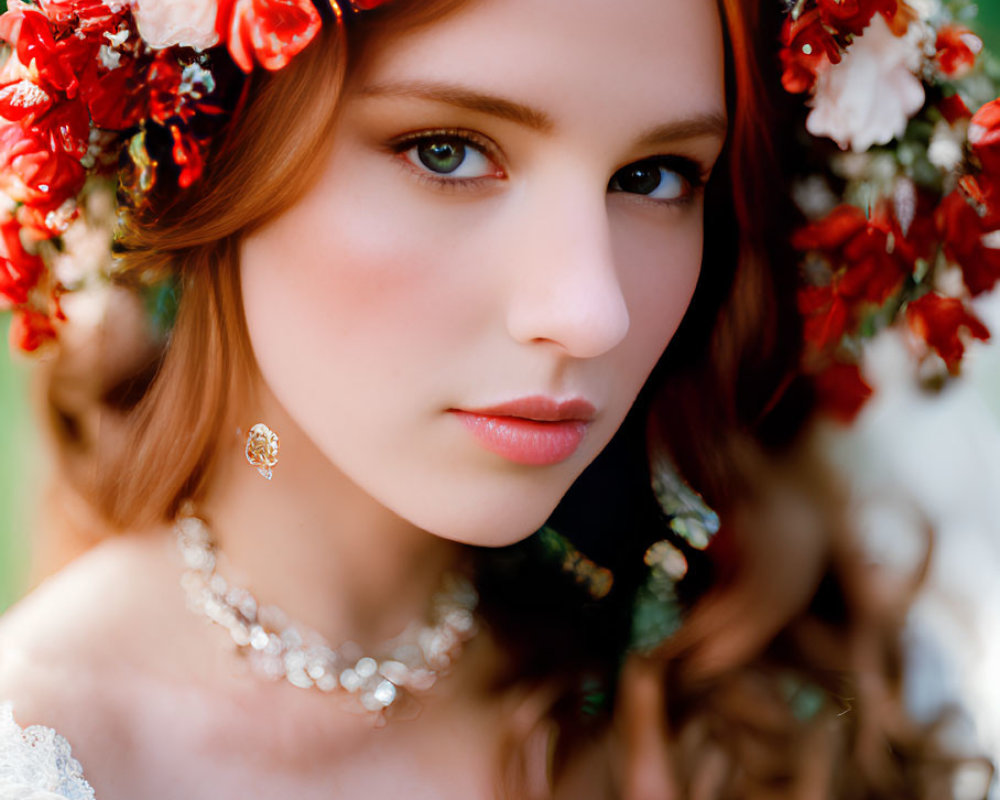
(262, 449)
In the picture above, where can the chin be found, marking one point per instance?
(487, 522)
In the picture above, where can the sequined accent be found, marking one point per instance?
(278, 649)
(689, 515)
(664, 556)
(657, 611)
(597, 580)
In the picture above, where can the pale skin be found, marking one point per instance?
(391, 295)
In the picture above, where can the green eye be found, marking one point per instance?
(443, 156)
(450, 157)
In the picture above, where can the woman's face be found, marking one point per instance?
(503, 239)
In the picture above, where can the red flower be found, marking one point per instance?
(63, 12)
(270, 32)
(23, 100)
(117, 98)
(809, 45)
(832, 232)
(826, 316)
(939, 321)
(868, 263)
(957, 48)
(187, 156)
(83, 14)
(164, 80)
(963, 229)
(842, 391)
(984, 137)
(19, 270)
(853, 16)
(868, 258)
(30, 31)
(954, 109)
(35, 174)
(30, 329)
(66, 127)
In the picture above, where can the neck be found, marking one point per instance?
(313, 543)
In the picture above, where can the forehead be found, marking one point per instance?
(644, 60)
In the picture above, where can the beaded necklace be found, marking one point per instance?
(278, 649)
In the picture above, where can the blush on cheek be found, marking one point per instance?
(659, 277)
(389, 252)
(359, 287)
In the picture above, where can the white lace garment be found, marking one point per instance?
(36, 763)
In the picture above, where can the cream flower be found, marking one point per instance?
(947, 147)
(868, 98)
(165, 23)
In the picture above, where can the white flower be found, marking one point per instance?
(188, 23)
(992, 240)
(868, 98)
(976, 134)
(110, 59)
(904, 201)
(947, 151)
(814, 197)
(925, 9)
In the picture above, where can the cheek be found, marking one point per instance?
(663, 265)
(359, 295)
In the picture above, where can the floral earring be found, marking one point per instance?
(262, 449)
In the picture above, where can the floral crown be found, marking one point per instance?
(904, 210)
(94, 88)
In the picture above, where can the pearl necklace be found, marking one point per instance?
(278, 649)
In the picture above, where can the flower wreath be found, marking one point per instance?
(85, 81)
(904, 218)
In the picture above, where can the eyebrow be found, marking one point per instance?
(713, 124)
(699, 125)
(463, 97)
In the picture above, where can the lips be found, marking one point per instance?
(536, 431)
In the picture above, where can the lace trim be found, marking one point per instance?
(37, 763)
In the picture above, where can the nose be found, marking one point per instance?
(567, 291)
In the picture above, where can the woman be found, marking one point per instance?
(440, 253)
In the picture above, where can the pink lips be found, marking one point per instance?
(536, 431)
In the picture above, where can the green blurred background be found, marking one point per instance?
(20, 453)
(989, 23)
(19, 461)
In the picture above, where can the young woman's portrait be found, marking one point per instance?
(439, 398)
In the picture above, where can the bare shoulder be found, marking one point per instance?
(66, 650)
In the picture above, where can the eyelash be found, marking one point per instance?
(690, 171)
(693, 173)
(403, 144)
